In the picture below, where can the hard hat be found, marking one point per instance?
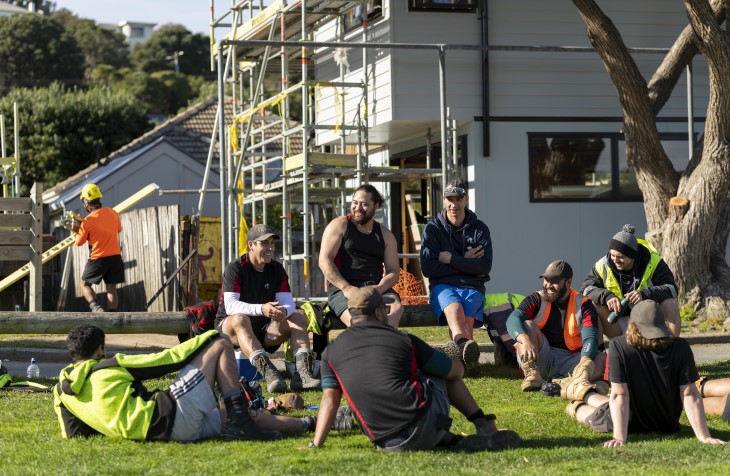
(90, 192)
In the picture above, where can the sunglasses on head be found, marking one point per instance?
(456, 190)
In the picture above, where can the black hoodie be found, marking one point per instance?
(440, 235)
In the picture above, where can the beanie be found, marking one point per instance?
(625, 242)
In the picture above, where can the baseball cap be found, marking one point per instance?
(649, 317)
(558, 270)
(455, 188)
(366, 300)
(261, 232)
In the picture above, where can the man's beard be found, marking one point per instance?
(366, 217)
(561, 291)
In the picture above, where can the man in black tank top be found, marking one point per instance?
(359, 251)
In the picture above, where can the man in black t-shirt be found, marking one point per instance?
(398, 387)
(652, 378)
(257, 311)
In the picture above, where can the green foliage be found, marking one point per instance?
(687, 313)
(155, 53)
(63, 131)
(99, 46)
(712, 324)
(35, 50)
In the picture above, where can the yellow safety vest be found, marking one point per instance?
(609, 277)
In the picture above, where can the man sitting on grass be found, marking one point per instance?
(399, 388)
(652, 377)
(106, 395)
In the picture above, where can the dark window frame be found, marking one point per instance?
(375, 13)
(613, 140)
(455, 6)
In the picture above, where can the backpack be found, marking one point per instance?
(201, 317)
(497, 308)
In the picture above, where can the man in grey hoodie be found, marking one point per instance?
(456, 257)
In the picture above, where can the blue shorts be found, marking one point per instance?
(470, 299)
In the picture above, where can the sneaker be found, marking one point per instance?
(497, 441)
(533, 380)
(241, 427)
(345, 419)
(470, 354)
(95, 307)
(274, 381)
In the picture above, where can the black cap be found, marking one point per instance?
(558, 270)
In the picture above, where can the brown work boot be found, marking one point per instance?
(274, 381)
(470, 354)
(302, 378)
(533, 380)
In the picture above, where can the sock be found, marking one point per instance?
(476, 415)
(255, 355)
(461, 341)
(301, 351)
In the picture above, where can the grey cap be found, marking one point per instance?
(649, 317)
(558, 270)
(455, 188)
(261, 232)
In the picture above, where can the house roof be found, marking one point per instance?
(9, 9)
(190, 131)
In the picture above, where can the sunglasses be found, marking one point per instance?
(457, 190)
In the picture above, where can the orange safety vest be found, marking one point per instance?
(573, 318)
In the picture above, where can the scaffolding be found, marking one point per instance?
(268, 157)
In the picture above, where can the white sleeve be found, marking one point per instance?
(286, 300)
(235, 306)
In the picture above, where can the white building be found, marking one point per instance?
(134, 31)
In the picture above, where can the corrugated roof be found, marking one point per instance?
(190, 131)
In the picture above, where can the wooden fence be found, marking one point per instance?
(150, 248)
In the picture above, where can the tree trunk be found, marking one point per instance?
(691, 230)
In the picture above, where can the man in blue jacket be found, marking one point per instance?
(456, 257)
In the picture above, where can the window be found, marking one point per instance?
(353, 17)
(441, 5)
(589, 167)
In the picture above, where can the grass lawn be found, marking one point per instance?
(30, 443)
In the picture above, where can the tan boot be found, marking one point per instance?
(533, 380)
(584, 370)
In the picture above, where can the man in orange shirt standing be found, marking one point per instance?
(100, 229)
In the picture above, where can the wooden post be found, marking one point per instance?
(35, 285)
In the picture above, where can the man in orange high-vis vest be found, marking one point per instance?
(556, 332)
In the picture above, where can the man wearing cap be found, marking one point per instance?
(256, 310)
(456, 257)
(357, 251)
(399, 388)
(653, 377)
(634, 271)
(556, 334)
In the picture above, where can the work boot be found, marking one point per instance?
(533, 380)
(240, 426)
(470, 354)
(274, 381)
(497, 441)
(345, 419)
(454, 351)
(302, 378)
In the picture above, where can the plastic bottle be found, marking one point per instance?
(33, 370)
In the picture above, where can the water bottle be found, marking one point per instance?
(613, 317)
(33, 370)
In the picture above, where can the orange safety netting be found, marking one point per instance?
(410, 289)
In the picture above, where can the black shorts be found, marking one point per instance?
(259, 324)
(337, 301)
(108, 268)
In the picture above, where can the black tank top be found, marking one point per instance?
(360, 257)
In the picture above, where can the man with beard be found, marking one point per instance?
(634, 271)
(556, 334)
(257, 311)
(456, 257)
(359, 251)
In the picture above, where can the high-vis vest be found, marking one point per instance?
(497, 308)
(609, 278)
(573, 318)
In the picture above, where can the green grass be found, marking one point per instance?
(30, 443)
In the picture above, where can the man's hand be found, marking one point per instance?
(526, 349)
(613, 443)
(348, 290)
(477, 252)
(273, 311)
(614, 305)
(633, 297)
(445, 257)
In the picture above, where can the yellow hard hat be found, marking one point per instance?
(90, 192)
